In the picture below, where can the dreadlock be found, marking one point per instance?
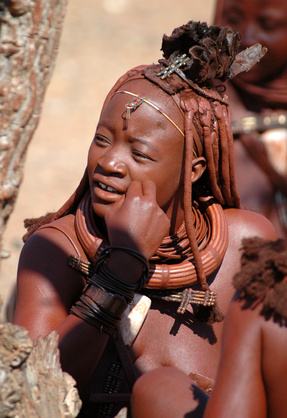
(194, 55)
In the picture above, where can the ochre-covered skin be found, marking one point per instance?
(251, 377)
(136, 172)
(261, 91)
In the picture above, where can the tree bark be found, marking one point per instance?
(30, 33)
(32, 382)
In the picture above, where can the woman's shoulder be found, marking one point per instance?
(245, 223)
(59, 235)
(46, 254)
(64, 225)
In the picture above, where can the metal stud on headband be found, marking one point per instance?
(135, 103)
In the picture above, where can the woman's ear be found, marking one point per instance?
(198, 168)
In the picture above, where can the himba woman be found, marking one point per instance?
(258, 101)
(155, 219)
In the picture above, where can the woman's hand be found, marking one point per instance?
(136, 221)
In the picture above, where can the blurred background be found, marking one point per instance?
(101, 40)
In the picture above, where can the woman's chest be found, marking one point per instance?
(168, 338)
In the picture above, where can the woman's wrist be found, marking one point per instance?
(100, 308)
(126, 264)
(108, 291)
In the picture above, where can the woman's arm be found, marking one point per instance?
(46, 289)
(239, 389)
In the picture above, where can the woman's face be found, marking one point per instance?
(262, 21)
(145, 147)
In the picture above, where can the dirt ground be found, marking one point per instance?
(100, 41)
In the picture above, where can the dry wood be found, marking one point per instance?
(30, 34)
(32, 383)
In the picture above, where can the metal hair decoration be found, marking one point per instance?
(176, 63)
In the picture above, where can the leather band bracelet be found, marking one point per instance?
(106, 297)
(104, 255)
(106, 280)
(82, 309)
(100, 308)
(110, 303)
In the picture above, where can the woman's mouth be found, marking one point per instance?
(109, 189)
(105, 193)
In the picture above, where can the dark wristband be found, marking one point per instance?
(110, 303)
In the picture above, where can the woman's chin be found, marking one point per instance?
(100, 209)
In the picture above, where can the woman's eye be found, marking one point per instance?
(100, 140)
(141, 156)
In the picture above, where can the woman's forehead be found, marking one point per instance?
(157, 112)
(156, 96)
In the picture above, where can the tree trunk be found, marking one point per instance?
(30, 33)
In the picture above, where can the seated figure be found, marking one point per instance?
(135, 270)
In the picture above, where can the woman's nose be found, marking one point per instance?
(112, 163)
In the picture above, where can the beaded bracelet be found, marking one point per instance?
(104, 255)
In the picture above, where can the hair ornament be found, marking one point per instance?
(135, 103)
(176, 62)
(199, 53)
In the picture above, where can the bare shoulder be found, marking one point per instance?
(46, 254)
(242, 224)
(45, 280)
(59, 234)
(246, 224)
